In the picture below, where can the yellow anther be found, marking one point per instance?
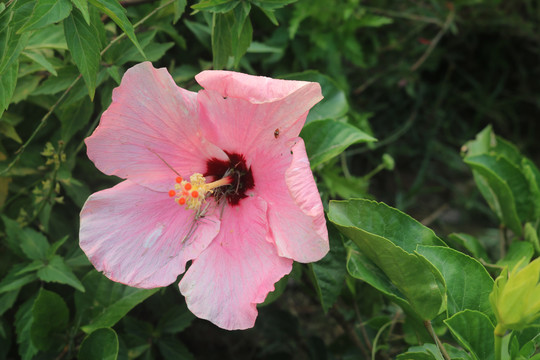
(193, 193)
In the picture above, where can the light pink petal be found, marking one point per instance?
(151, 126)
(245, 120)
(256, 89)
(236, 271)
(295, 212)
(137, 236)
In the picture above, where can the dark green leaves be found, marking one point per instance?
(47, 12)
(118, 14)
(231, 35)
(388, 238)
(508, 181)
(101, 344)
(50, 318)
(325, 139)
(329, 272)
(474, 331)
(467, 281)
(106, 302)
(84, 47)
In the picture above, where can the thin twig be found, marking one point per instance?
(350, 331)
(362, 327)
(435, 40)
(391, 138)
(398, 14)
(441, 210)
(429, 328)
(43, 121)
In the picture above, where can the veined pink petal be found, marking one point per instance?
(151, 126)
(256, 89)
(136, 236)
(236, 271)
(237, 117)
(295, 212)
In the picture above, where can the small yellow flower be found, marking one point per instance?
(516, 297)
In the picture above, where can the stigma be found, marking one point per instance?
(193, 193)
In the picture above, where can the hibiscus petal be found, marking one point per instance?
(151, 126)
(295, 212)
(136, 235)
(256, 89)
(236, 271)
(241, 112)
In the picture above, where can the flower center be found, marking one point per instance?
(193, 193)
(236, 169)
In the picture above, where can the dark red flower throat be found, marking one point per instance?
(236, 168)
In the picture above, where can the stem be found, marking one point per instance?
(498, 335)
(429, 328)
(503, 241)
(435, 40)
(376, 340)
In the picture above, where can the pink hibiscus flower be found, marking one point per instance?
(219, 177)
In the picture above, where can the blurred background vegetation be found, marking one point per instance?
(422, 76)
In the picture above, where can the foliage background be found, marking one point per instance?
(423, 77)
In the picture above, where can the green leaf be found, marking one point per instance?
(370, 20)
(531, 235)
(11, 43)
(13, 237)
(491, 180)
(23, 324)
(55, 84)
(118, 14)
(14, 280)
(101, 344)
(51, 316)
(84, 47)
(468, 284)
(516, 252)
(179, 7)
(34, 244)
(74, 117)
(51, 37)
(471, 244)
(329, 272)
(379, 218)
(82, 5)
(424, 352)
(344, 187)
(326, 139)
(25, 86)
(41, 60)
(47, 12)
(10, 132)
(217, 6)
(361, 267)
(57, 271)
(474, 331)
(124, 51)
(272, 4)
(333, 106)
(532, 174)
(8, 81)
(231, 35)
(388, 237)
(172, 349)
(55, 246)
(7, 300)
(106, 302)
